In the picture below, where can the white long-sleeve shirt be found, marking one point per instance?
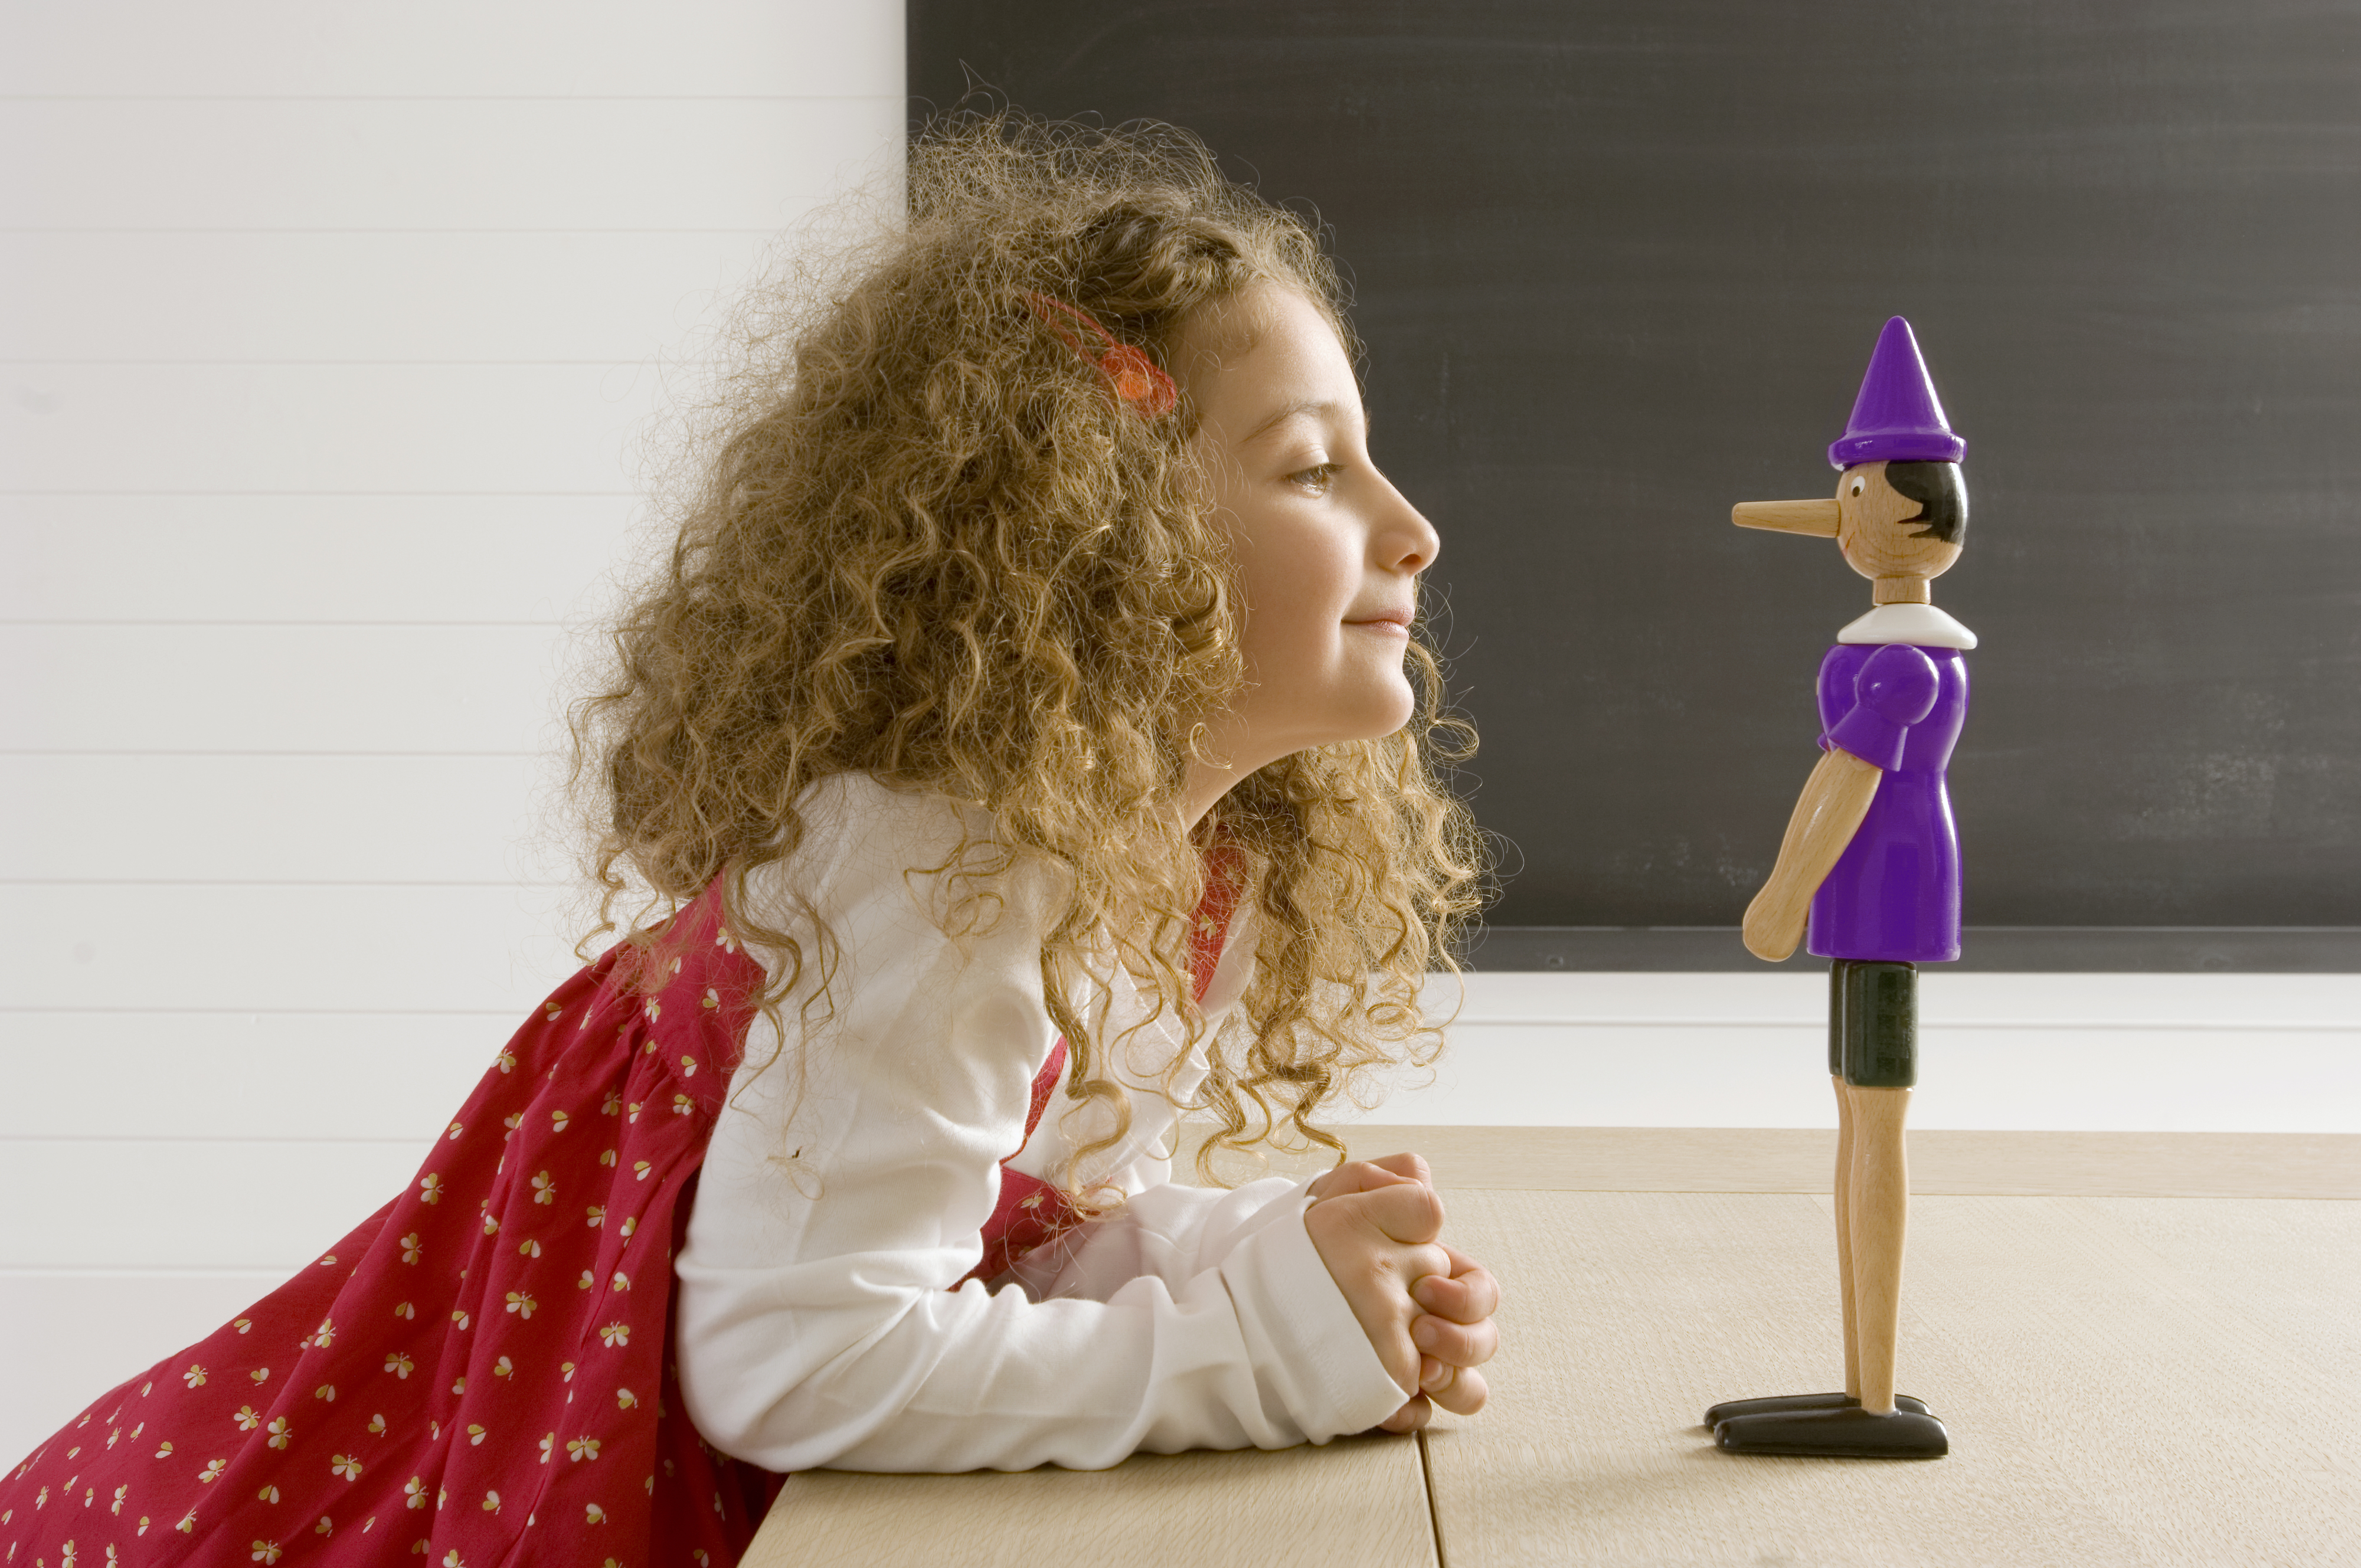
(814, 1327)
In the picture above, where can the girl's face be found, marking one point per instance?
(1328, 551)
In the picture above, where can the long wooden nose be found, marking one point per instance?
(1818, 517)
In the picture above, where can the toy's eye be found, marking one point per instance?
(1856, 487)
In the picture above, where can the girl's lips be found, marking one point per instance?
(1394, 627)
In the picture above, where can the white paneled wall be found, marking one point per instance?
(331, 336)
(335, 340)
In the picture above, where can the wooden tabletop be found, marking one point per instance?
(2129, 1376)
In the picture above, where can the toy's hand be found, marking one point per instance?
(1829, 811)
(1774, 921)
(1375, 1224)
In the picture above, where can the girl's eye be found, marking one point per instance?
(1316, 479)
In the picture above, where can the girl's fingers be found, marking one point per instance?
(1460, 1345)
(1470, 1295)
(1362, 1174)
(1408, 1164)
(1365, 1175)
(1464, 1395)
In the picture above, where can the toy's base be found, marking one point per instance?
(1728, 1409)
(1846, 1432)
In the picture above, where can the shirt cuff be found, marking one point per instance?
(1308, 1350)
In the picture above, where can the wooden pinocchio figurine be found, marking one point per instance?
(1871, 861)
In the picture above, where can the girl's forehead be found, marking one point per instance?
(1267, 342)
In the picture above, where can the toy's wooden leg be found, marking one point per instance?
(1880, 1221)
(1874, 1032)
(1845, 1127)
(1851, 1394)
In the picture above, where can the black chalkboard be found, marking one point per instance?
(1620, 265)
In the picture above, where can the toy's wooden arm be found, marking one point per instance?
(1835, 798)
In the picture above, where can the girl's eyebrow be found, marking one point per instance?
(1303, 406)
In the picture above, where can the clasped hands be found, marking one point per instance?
(1426, 1307)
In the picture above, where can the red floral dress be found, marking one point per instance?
(480, 1374)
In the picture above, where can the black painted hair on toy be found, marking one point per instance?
(1941, 495)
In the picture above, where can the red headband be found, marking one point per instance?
(1138, 384)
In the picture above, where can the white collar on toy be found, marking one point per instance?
(1919, 623)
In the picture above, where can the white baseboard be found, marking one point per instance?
(1996, 1052)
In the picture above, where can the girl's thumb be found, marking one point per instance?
(1358, 1177)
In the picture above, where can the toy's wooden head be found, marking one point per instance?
(1900, 512)
(1899, 524)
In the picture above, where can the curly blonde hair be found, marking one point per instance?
(920, 540)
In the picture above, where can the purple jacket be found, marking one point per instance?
(1895, 892)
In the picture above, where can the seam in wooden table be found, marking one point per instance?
(1433, 1513)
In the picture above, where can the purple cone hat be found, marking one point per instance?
(1897, 418)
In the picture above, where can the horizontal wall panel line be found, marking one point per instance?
(242, 881)
(403, 495)
(449, 97)
(254, 1138)
(167, 752)
(270, 1012)
(114, 228)
(669, 363)
(11, 1271)
(109, 621)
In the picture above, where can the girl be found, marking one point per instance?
(1021, 715)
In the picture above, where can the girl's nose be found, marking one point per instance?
(1423, 544)
(1405, 541)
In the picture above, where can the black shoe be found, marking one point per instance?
(1731, 1407)
(1847, 1431)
